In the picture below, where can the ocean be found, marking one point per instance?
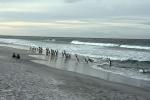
(129, 56)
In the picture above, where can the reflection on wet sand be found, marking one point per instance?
(77, 63)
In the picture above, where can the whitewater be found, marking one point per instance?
(127, 57)
(114, 51)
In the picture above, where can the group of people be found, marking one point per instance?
(40, 50)
(55, 53)
(88, 60)
(17, 56)
(33, 49)
(66, 55)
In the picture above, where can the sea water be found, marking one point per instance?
(129, 56)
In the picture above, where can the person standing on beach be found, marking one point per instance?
(110, 62)
(14, 55)
(62, 54)
(18, 56)
(86, 60)
(90, 60)
(41, 50)
(77, 57)
(47, 50)
(57, 52)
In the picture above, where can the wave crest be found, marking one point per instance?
(135, 47)
(95, 44)
(111, 45)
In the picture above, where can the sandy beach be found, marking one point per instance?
(25, 80)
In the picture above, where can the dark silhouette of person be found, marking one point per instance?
(110, 62)
(86, 60)
(77, 57)
(90, 60)
(18, 56)
(14, 55)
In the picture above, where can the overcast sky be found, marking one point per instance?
(79, 18)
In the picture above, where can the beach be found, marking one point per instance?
(22, 79)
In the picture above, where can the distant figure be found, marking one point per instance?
(77, 57)
(69, 56)
(90, 60)
(86, 60)
(64, 53)
(56, 52)
(47, 51)
(110, 62)
(18, 56)
(14, 55)
(39, 50)
(142, 70)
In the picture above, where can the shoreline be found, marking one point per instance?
(87, 69)
(81, 87)
(93, 66)
(92, 70)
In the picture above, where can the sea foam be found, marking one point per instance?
(111, 45)
(95, 44)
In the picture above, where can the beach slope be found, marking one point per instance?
(21, 79)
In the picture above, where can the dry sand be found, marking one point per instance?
(25, 80)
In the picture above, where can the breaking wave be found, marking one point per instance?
(111, 45)
(135, 47)
(95, 44)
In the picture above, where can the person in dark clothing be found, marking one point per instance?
(110, 62)
(18, 56)
(90, 60)
(86, 60)
(47, 51)
(77, 57)
(14, 55)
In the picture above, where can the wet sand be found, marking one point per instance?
(26, 80)
(92, 69)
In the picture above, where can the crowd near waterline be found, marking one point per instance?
(64, 54)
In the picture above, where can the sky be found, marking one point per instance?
(76, 18)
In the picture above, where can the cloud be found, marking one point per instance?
(57, 9)
(82, 28)
(72, 1)
(22, 7)
(81, 16)
(51, 24)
